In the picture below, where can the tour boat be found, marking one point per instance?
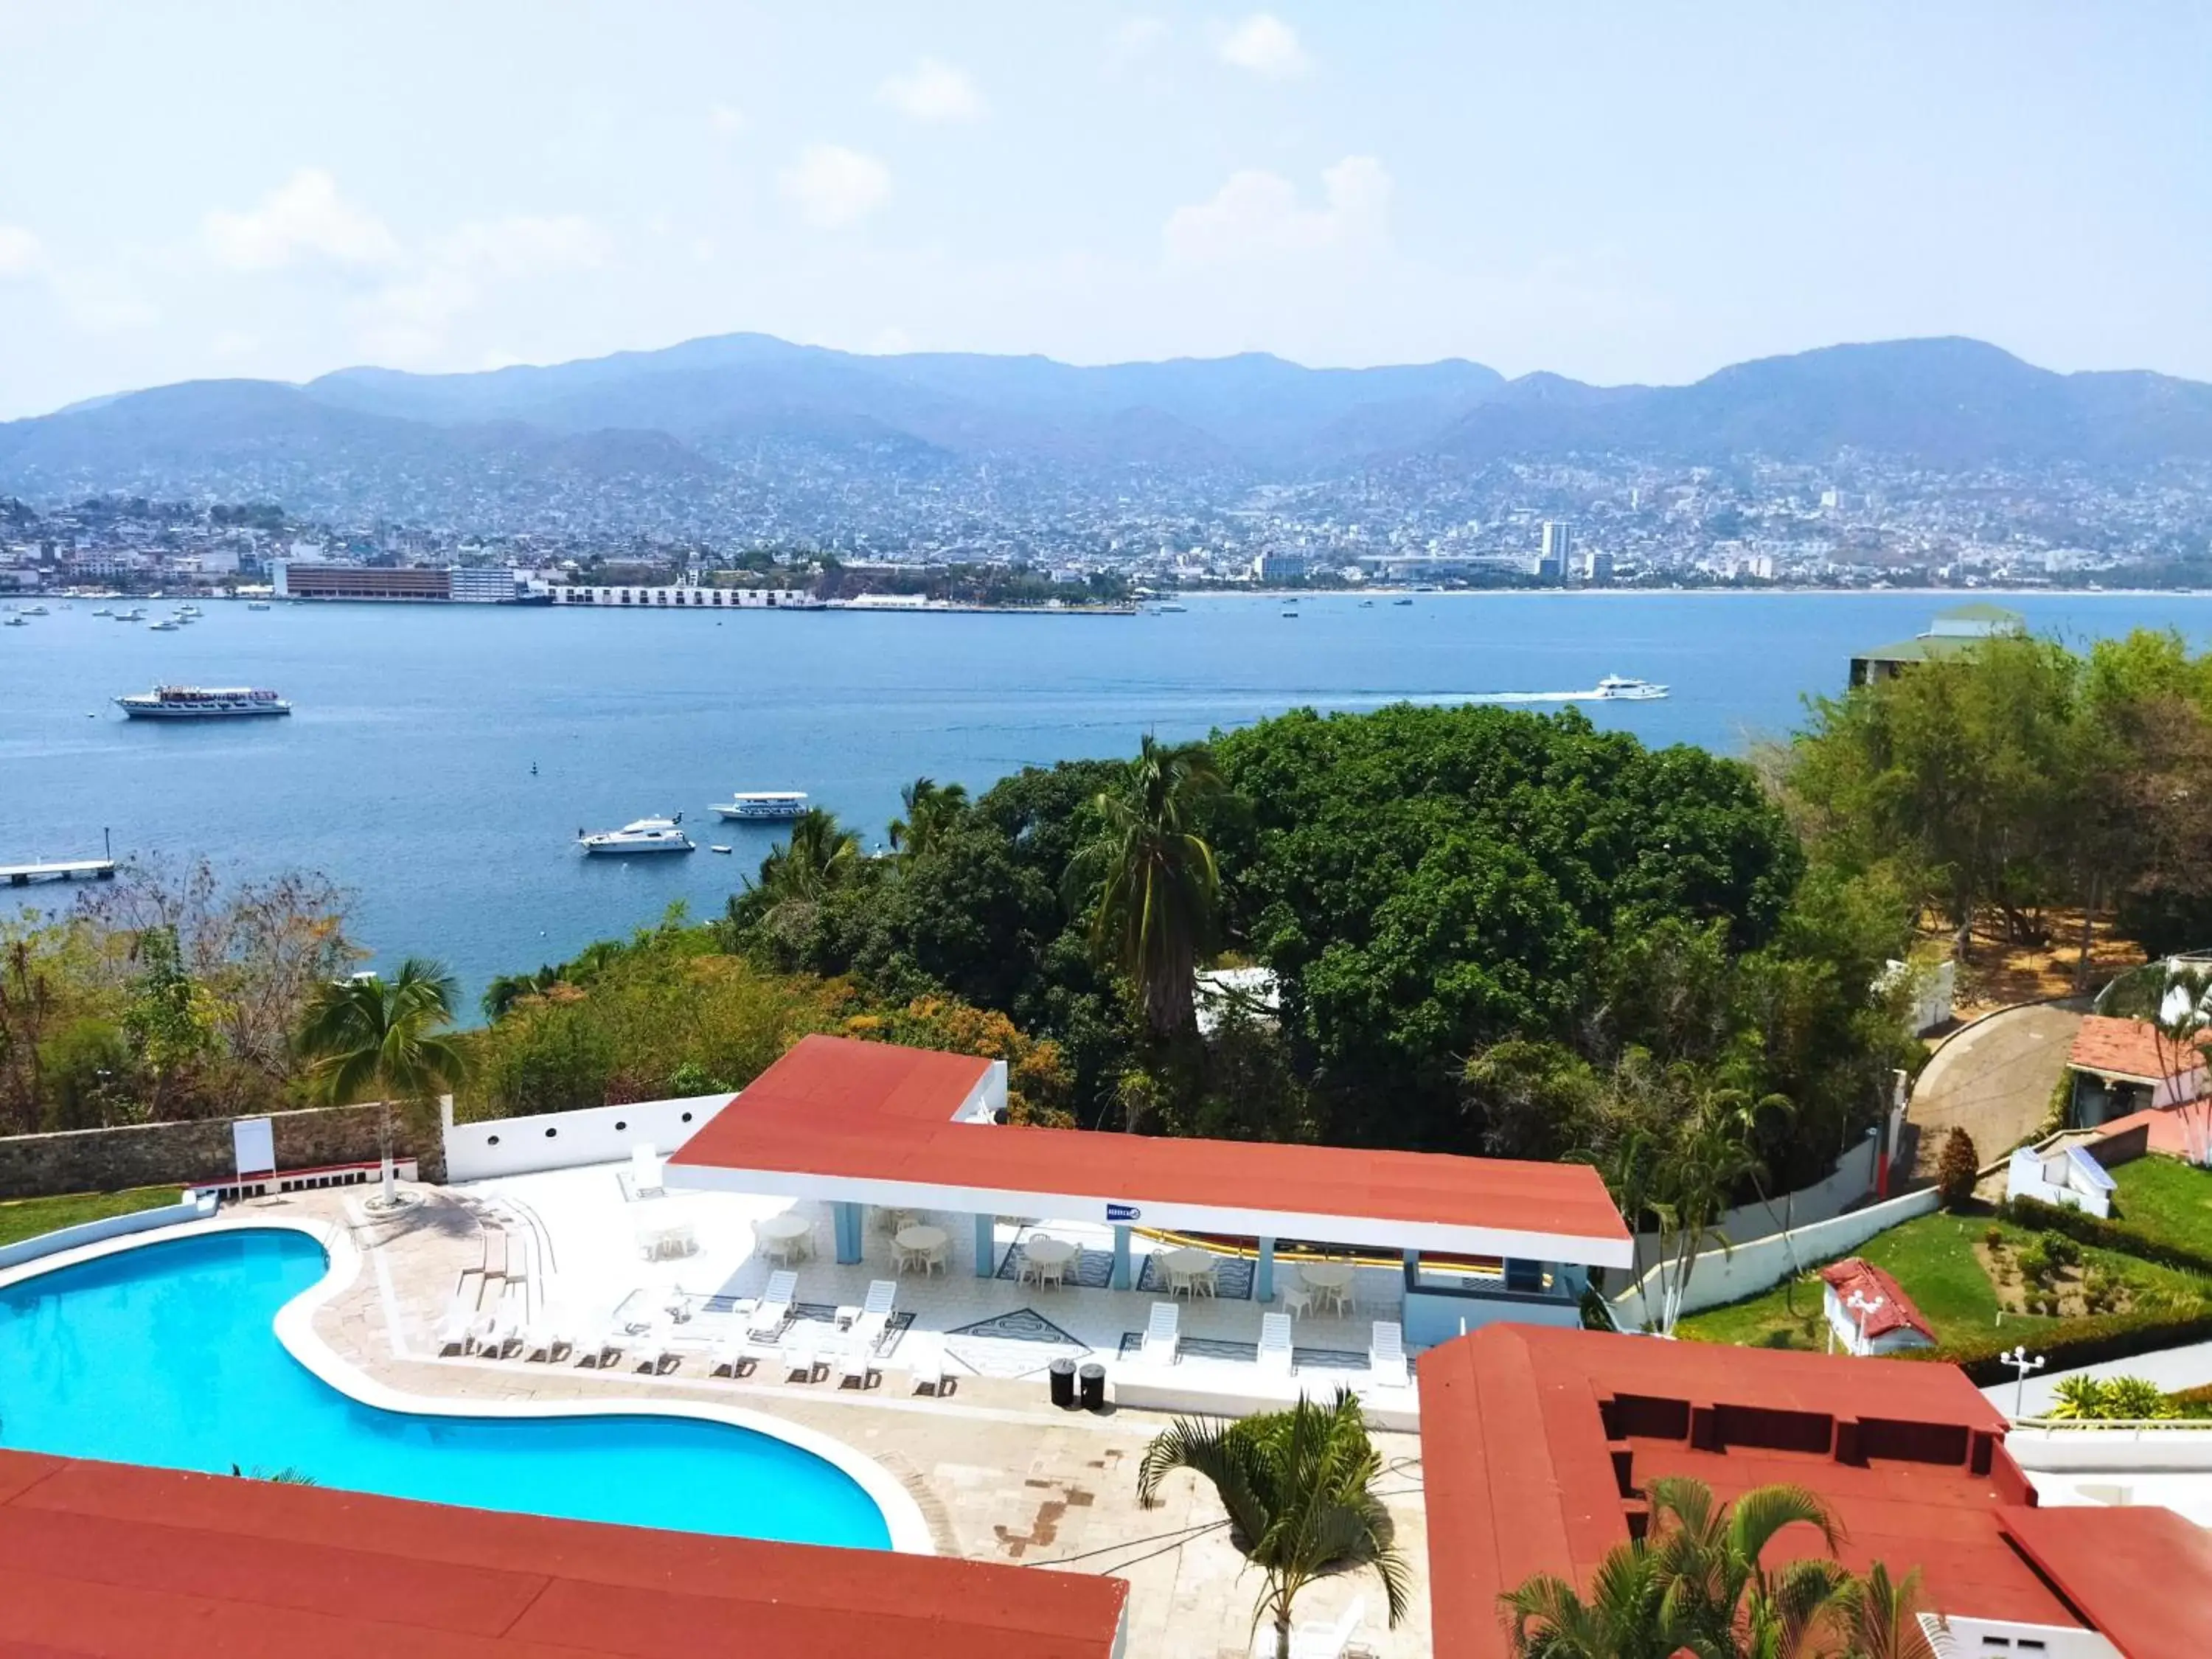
(257, 604)
(762, 805)
(198, 702)
(1617, 687)
(640, 836)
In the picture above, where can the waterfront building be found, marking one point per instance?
(1558, 547)
(405, 583)
(485, 585)
(1952, 633)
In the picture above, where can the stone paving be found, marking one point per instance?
(999, 1473)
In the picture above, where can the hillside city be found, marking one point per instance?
(1860, 522)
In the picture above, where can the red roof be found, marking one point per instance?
(2142, 1577)
(2129, 1048)
(1537, 1443)
(1896, 1310)
(874, 1113)
(131, 1563)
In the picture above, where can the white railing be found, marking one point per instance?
(114, 1226)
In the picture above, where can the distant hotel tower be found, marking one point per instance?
(1559, 548)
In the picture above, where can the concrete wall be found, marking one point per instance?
(1720, 1276)
(114, 1226)
(1851, 1180)
(2025, 1178)
(562, 1141)
(1429, 1320)
(157, 1154)
(2095, 1447)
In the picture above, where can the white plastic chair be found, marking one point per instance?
(1162, 1331)
(454, 1330)
(1313, 1640)
(654, 1350)
(1295, 1294)
(645, 1172)
(928, 1370)
(774, 1308)
(1275, 1353)
(856, 1361)
(1386, 1354)
(800, 1353)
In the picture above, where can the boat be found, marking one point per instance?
(257, 604)
(1367, 604)
(1291, 611)
(35, 610)
(188, 610)
(639, 835)
(1170, 609)
(200, 702)
(104, 610)
(135, 613)
(718, 848)
(1619, 687)
(1401, 601)
(168, 625)
(16, 621)
(762, 805)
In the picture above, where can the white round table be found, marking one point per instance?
(921, 1242)
(1332, 1278)
(1045, 1251)
(1189, 1268)
(784, 1234)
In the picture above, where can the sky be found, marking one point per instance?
(1617, 192)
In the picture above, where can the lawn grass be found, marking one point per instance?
(2167, 1198)
(1932, 1257)
(27, 1218)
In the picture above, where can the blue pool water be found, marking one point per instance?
(166, 1355)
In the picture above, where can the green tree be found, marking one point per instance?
(368, 1036)
(171, 1021)
(1957, 1166)
(928, 811)
(1299, 1488)
(1149, 881)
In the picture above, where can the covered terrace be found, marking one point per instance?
(903, 1149)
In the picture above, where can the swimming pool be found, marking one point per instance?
(166, 1354)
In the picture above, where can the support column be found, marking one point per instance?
(987, 1246)
(1412, 1262)
(847, 1221)
(1121, 1280)
(1263, 1276)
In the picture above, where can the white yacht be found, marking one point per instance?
(762, 805)
(1622, 688)
(640, 835)
(197, 702)
(168, 625)
(34, 610)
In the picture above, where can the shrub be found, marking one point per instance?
(1994, 1238)
(2135, 1399)
(2101, 1234)
(1957, 1169)
(2058, 1249)
(2088, 1341)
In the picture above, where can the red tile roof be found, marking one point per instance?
(2142, 1577)
(2129, 1048)
(1896, 1311)
(1529, 1434)
(875, 1113)
(131, 1563)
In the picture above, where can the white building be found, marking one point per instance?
(1559, 548)
(2066, 1175)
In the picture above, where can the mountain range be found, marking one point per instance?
(696, 416)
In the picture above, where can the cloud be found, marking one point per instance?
(408, 319)
(726, 120)
(304, 215)
(523, 244)
(1258, 214)
(1264, 45)
(22, 253)
(934, 91)
(833, 186)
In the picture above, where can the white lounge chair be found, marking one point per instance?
(608, 1345)
(731, 1350)
(800, 1354)
(875, 1312)
(1275, 1356)
(1162, 1331)
(1313, 1640)
(453, 1330)
(856, 1361)
(497, 1330)
(1386, 1354)
(774, 1308)
(549, 1335)
(646, 1173)
(654, 1350)
(928, 1369)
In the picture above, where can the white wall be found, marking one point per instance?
(1852, 1179)
(2094, 1449)
(1720, 1276)
(562, 1140)
(2023, 1178)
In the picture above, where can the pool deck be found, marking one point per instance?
(999, 1474)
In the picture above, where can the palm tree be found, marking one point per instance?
(1298, 1485)
(929, 810)
(1697, 1583)
(369, 1037)
(1149, 880)
(819, 854)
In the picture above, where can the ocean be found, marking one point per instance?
(441, 758)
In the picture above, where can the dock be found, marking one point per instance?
(22, 875)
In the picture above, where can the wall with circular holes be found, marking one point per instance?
(562, 1140)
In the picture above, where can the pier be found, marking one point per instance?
(22, 875)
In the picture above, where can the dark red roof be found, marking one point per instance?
(2129, 1049)
(1896, 1311)
(870, 1111)
(1536, 1443)
(2142, 1577)
(131, 1563)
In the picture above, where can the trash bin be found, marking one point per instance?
(1093, 1386)
(1063, 1384)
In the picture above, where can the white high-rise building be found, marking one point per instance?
(1559, 548)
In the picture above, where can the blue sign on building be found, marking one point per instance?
(1122, 1212)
